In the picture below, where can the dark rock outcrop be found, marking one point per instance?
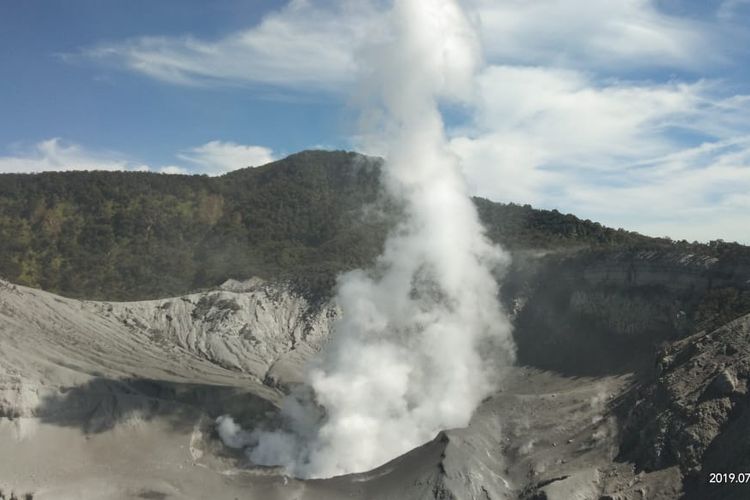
(695, 414)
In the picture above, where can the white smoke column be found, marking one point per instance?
(421, 335)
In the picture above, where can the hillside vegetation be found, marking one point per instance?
(134, 235)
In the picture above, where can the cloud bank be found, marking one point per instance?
(217, 157)
(661, 158)
(305, 45)
(314, 45)
(55, 155)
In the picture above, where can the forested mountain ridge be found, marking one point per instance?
(134, 235)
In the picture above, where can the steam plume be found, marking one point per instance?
(406, 358)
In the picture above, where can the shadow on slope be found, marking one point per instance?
(103, 403)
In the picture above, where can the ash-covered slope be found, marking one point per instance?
(244, 328)
(111, 400)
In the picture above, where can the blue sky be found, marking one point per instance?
(630, 112)
(52, 90)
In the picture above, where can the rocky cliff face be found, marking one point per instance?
(696, 413)
(589, 313)
(673, 319)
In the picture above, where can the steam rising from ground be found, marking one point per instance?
(421, 336)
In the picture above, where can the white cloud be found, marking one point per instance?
(305, 45)
(173, 170)
(613, 152)
(582, 33)
(216, 157)
(696, 194)
(729, 9)
(55, 155)
(212, 158)
(565, 113)
(535, 125)
(310, 45)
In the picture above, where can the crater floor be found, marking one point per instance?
(118, 400)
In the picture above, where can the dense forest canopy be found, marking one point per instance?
(133, 235)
